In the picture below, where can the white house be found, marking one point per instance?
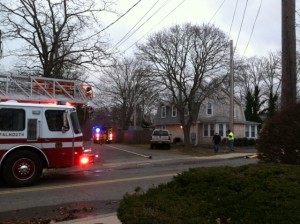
(210, 117)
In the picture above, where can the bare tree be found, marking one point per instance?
(59, 36)
(125, 87)
(190, 62)
(272, 82)
(258, 82)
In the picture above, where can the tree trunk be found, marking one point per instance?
(186, 134)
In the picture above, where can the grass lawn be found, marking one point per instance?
(192, 150)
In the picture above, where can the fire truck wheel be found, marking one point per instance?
(22, 169)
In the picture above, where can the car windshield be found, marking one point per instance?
(160, 133)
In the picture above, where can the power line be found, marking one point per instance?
(236, 4)
(156, 24)
(122, 40)
(148, 20)
(105, 28)
(217, 11)
(241, 25)
(253, 27)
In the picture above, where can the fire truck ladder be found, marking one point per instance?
(44, 90)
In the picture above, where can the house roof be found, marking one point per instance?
(219, 119)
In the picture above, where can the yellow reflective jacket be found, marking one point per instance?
(230, 136)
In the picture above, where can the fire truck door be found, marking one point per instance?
(57, 138)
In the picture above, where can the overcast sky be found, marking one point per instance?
(150, 16)
(238, 24)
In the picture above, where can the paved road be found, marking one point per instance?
(98, 190)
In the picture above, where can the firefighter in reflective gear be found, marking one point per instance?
(230, 137)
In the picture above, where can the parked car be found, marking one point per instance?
(160, 138)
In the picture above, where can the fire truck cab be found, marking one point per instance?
(38, 136)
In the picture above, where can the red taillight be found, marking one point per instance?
(84, 160)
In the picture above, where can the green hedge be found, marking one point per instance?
(257, 193)
(242, 142)
(245, 142)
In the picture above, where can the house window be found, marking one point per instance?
(209, 108)
(163, 111)
(174, 111)
(206, 130)
(247, 131)
(209, 130)
(252, 131)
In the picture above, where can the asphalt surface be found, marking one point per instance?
(72, 213)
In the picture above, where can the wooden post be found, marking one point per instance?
(231, 104)
(288, 85)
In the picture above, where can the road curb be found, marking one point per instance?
(110, 218)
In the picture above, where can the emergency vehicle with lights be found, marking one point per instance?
(36, 133)
(98, 132)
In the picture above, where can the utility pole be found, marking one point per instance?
(1, 45)
(288, 86)
(134, 113)
(231, 104)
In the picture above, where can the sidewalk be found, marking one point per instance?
(112, 218)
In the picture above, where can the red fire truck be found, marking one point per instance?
(38, 135)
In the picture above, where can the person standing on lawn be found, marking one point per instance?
(216, 140)
(230, 137)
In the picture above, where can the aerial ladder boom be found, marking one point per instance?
(35, 89)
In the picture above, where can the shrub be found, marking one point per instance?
(251, 142)
(177, 140)
(257, 193)
(279, 139)
(244, 142)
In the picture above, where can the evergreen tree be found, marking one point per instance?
(249, 106)
(254, 105)
(272, 104)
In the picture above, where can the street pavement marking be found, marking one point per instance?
(138, 154)
(23, 190)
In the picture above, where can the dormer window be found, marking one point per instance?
(174, 111)
(163, 111)
(209, 108)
